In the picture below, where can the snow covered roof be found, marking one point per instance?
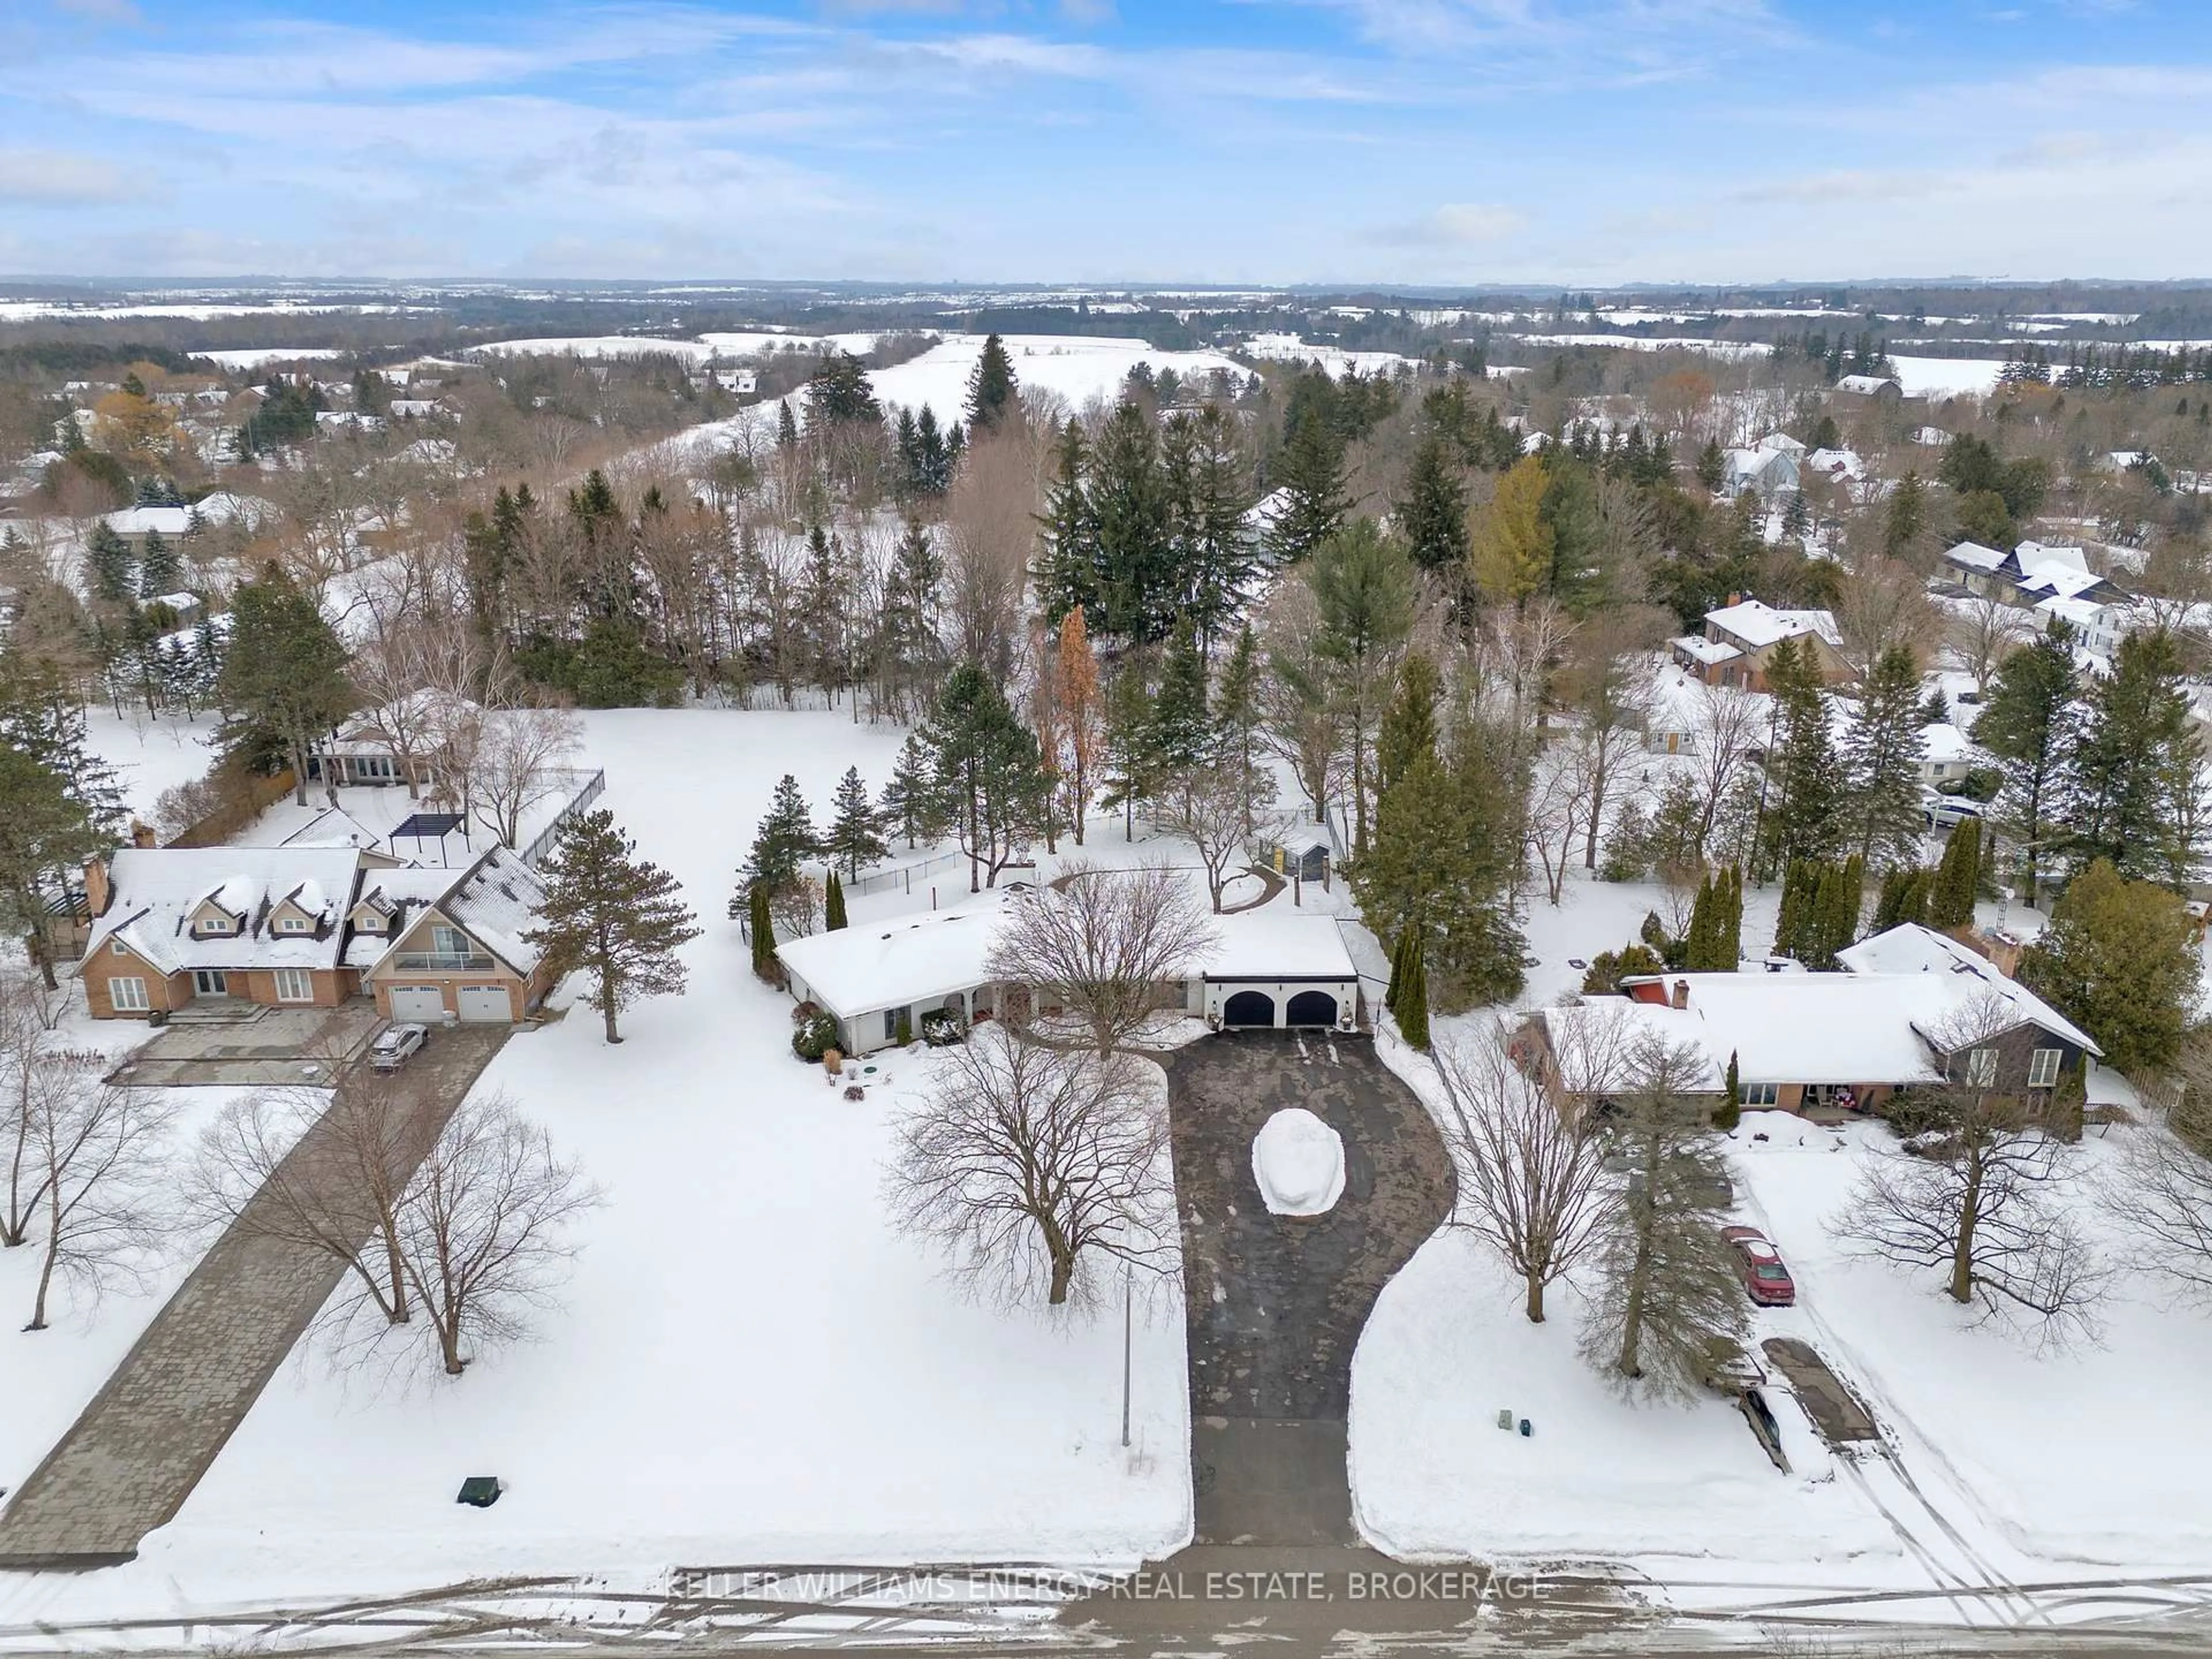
(2059, 577)
(1276, 943)
(1783, 442)
(399, 896)
(898, 963)
(2030, 553)
(1601, 1043)
(137, 520)
(1945, 741)
(1911, 949)
(494, 901)
(1757, 623)
(1709, 651)
(1867, 384)
(156, 890)
(1836, 463)
(332, 826)
(1972, 556)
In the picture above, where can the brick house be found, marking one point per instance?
(310, 927)
(1739, 639)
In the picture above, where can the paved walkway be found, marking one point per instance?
(1275, 1305)
(129, 1460)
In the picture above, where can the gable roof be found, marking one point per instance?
(156, 890)
(1758, 623)
(1910, 948)
(1972, 556)
(494, 901)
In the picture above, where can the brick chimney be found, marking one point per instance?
(98, 890)
(1681, 998)
(142, 836)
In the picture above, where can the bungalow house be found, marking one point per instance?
(1871, 388)
(1912, 1008)
(172, 925)
(1948, 753)
(1739, 639)
(361, 753)
(436, 946)
(1274, 967)
(1982, 570)
(311, 927)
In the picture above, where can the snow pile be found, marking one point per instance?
(1298, 1161)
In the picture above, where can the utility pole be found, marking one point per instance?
(1129, 1325)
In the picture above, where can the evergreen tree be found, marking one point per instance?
(1409, 724)
(1882, 749)
(855, 833)
(2132, 780)
(1239, 723)
(1805, 782)
(2031, 723)
(992, 395)
(46, 834)
(160, 571)
(761, 926)
(1362, 588)
(838, 393)
(912, 802)
(1712, 469)
(1128, 776)
(1412, 1010)
(1309, 474)
(2121, 959)
(1905, 526)
(1181, 729)
(615, 916)
(1398, 950)
(1433, 516)
(1137, 577)
(1576, 577)
(1512, 547)
(782, 842)
(283, 673)
(1950, 902)
(833, 903)
(1729, 1113)
(988, 768)
(113, 570)
(1209, 493)
(786, 426)
(42, 718)
(1068, 571)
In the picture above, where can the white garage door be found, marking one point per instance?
(483, 1003)
(418, 1002)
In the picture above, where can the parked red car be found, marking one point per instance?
(1765, 1280)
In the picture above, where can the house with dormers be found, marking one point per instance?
(311, 927)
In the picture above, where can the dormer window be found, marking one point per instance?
(291, 925)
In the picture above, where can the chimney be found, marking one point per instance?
(142, 836)
(1681, 998)
(97, 890)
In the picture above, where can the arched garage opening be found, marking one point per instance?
(1312, 1008)
(1248, 1008)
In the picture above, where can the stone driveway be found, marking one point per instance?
(128, 1463)
(273, 1047)
(1275, 1305)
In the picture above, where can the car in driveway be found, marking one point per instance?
(394, 1043)
(1948, 811)
(1759, 1264)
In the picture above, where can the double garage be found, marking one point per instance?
(1280, 1006)
(473, 1005)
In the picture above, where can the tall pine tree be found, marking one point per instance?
(615, 916)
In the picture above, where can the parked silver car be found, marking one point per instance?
(394, 1043)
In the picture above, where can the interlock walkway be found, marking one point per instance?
(133, 1456)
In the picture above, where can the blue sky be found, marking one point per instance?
(1583, 142)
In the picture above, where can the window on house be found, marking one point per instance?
(127, 995)
(890, 1022)
(1762, 1094)
(291, 925)
(295, 984)
(118, 948)
(1981, 1068)
(2043, 1067)
(449, 941)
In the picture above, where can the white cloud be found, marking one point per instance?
(1456, 225)
(48, 178)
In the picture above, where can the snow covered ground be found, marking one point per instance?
(255, 356)
(1946, 377)
(750, 1363)
(1078, 367)
(150, 755)
(1334, 360)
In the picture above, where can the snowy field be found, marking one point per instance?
(1077, 367)
(150, 755)
(1335, 360)
(750, 1363)
(1946, 377)
(255, 356)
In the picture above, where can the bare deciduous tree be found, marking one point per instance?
(1103, 941)
(1727, 722)
(1530, 1173)
(483, 1228)
(520, 759)
(1028, 1166)
(1984, 632)
(1884, 604)
(1207, 807)
(1977, 1196)
(96, 1152)
(28, 1016)
(1559, 808)
(990, 524)
(2160, 1188)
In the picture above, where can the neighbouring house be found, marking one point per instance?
(436, 946)
(1982, 570)
(1948, 753)
(875, 979)
(1912, 1008)
(283, 824)
(1739, 643)
(1782, 443)
(1837, 465)
(222, 507)
(1876, 388)
(360, 752)
(308, 926)
(1768, 472)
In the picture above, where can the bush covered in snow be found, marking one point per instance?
(813, 1032)
(941, 1028)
